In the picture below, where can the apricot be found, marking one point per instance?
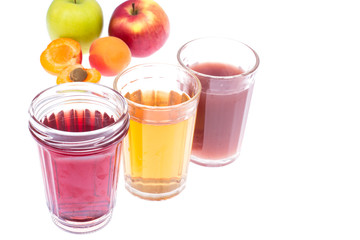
(109, 55)
(76, 73)
(59, 54)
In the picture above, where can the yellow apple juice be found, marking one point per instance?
(157, 152)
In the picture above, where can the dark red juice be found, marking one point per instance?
(79, 184)
(222, 111)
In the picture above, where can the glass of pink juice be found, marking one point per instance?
(226, 70)
(79, 128)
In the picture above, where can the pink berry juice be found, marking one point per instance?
(81, 182)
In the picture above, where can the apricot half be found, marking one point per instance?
(76, 73)
(109, 55)
(59, 54)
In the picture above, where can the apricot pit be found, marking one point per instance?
(76, 73)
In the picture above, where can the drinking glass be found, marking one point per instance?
(226, 70)
(79, 129)
(162, 101)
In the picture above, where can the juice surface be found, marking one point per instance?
(76, 120)
(157, 155)
(217, 69)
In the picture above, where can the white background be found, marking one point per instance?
(298, 173)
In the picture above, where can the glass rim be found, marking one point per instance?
(158, 108)
(249, 72)
(32, 112)
(80, 140)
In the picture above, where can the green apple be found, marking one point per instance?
(81, 20)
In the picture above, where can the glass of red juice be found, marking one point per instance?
(79, 128)
(226, 70)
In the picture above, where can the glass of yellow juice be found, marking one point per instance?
(162, 101)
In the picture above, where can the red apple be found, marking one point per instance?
(142, 25)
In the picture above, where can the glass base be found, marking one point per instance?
(154, 191)
(82, 227)
(214, 162)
